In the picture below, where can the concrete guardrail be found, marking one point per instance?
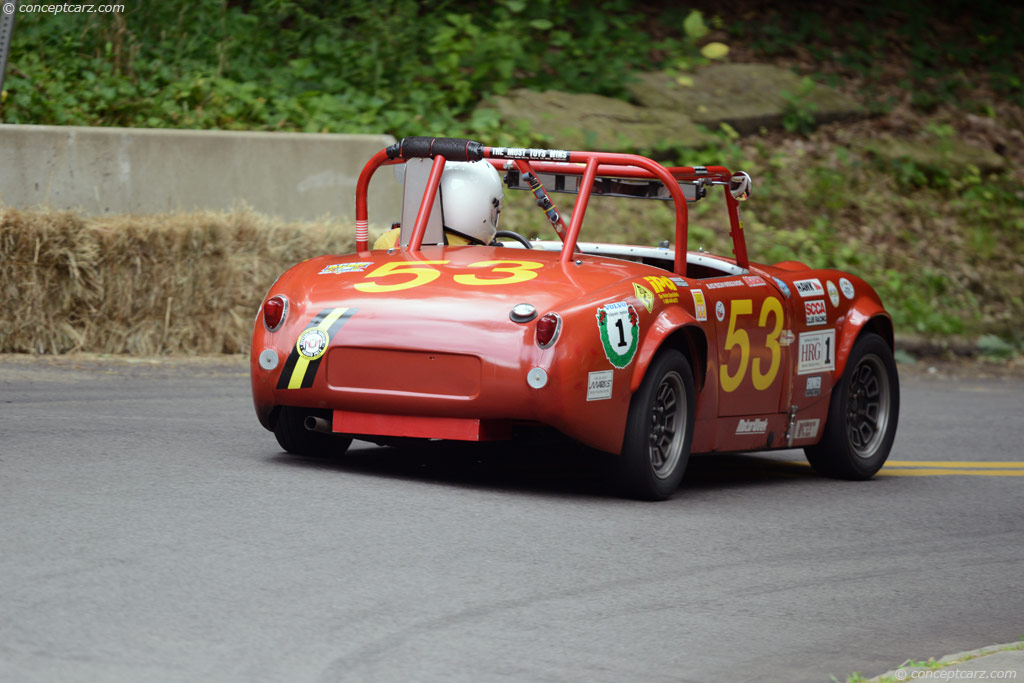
(297, 176)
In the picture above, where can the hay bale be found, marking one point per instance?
(146, 284)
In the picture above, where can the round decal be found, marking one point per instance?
(618, 324)
(833, 293)
(312, 343)
(847, 287)
(720, 311)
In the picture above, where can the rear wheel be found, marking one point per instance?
(293, 436)
(659, 431)
(862, 415)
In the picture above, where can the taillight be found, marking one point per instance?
(274, 311)
(548, 327)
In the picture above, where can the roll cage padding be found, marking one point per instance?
(420, 147)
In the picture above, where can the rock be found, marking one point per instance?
(746, 96)
(952, 154)
(594, 122)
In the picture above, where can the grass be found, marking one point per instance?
(929, 664)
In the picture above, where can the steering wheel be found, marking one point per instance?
(514, 235)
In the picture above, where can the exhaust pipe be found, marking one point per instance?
(317, 424)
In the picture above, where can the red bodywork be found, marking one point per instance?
(418, 340)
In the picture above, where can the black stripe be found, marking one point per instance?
(313, 366)
(293, 357)
(289, 367)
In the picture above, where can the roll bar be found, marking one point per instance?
(588, 165)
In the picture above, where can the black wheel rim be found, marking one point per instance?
(668, 425)
(867, 406)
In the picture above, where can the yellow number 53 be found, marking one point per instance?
(735, 337)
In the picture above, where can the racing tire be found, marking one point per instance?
(292, 435)
(862, 414)
(659, 431)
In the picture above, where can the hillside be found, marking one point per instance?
(923, 194)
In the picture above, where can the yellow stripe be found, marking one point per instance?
(923, 472)
(941, 468)
(948, 464)
(295, 381)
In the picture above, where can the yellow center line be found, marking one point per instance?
(926, 472)
(943, 468)
(948, 464)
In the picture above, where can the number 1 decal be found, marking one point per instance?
(740, 338)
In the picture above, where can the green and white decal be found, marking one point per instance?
(618, 324)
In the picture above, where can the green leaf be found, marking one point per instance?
(694, 26)
(541, 24)
(715, 50)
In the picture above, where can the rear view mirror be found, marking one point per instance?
(740, 186)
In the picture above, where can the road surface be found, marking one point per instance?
(152, 530)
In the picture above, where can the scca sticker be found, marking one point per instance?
(645, 296)
(619, 327)
(815, 312)
(338, 268)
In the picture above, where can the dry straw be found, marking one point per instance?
(148, 284)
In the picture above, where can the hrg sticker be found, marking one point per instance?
(809, 287)
(833, 293)
(817, 352)
(700, 307)
(813, 387)
(847, 287)
(618, 324)
(599, 385)
(815, 312)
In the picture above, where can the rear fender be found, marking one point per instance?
(677, 329)
(864, 314)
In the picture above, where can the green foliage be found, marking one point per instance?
(798, 114)
(941, 46)
(395, 66)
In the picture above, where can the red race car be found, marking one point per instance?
(452, 329)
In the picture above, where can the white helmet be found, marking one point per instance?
(471, 198)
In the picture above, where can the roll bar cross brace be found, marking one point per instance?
(588, 164)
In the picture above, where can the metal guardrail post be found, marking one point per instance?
(6, 29)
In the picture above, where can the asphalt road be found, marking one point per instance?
(151, 530)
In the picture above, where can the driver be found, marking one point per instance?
(471, 201)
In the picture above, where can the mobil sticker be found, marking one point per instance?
(817, 352)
